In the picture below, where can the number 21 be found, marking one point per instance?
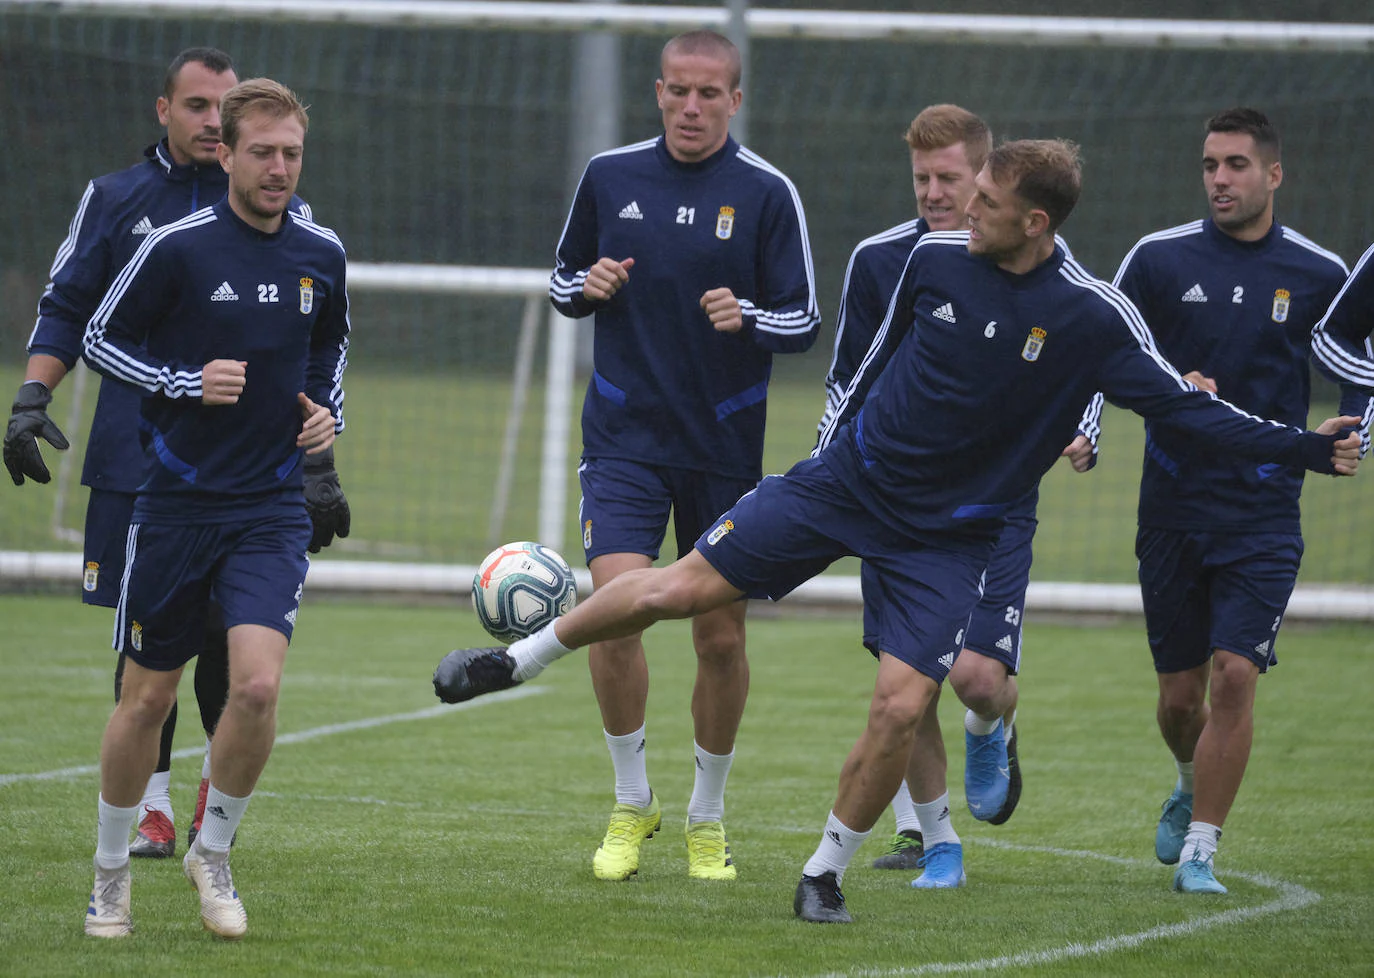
(686, 215)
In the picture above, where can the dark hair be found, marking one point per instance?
(939, 126)
(1253, 123)
(1046, 173)
(213, 58)
(710, 44)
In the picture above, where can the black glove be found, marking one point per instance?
(324, 500)
(29, 419)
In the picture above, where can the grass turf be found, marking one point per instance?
(458, 841)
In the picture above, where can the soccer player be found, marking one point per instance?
(1340, 342)
(117, 212)
(967, 417)
(691, 252)
(948, 146)
(1232, 301)
(232, 326)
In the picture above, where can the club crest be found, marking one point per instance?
(725, 223)
(136, 636)
(92, 576)
(1279, 312)
(1034, 342)
(719, 532)
(307, 294)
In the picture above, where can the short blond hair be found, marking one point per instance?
(939, 126)
(1046, 173)
(708, 44)
(257, 95)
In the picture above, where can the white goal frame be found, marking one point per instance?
(531, 284)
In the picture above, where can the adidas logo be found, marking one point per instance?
(944, 814)
(1263, 647)
(1195, 294)
(947, 660)
(631, 211)
(1004, 643)
(144, 226)
(834, 837)
(945, 312)
(224, 294)
(217, 811)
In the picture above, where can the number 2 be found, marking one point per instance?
(1237, 293)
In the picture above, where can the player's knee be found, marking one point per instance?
(148, 705)
(718, 643)
(255, 695)
(982, 686)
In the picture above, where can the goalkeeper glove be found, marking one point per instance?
(324, 500)
(29, 419)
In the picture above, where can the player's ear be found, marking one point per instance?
(164, 110)
(225, 157)
(1037, 223)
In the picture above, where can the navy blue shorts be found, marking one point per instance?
(995, 628)
(625, 505)
(107, 533)
(254, 570)
(1205, 591)
(792, 527)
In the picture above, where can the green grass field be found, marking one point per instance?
(391, 836)
(421, 452)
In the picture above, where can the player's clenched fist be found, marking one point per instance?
(723, 309)
(221, 381)
(605, 278)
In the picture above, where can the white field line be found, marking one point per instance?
(301, 736)
(1290, 896)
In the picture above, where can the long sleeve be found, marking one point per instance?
(116, 335)
(329, 352)
(79, 272)
(785, 317)
(1341, 340)
(576, 254)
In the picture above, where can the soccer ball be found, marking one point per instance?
(520, 588)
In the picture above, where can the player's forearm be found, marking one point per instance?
(47, 369)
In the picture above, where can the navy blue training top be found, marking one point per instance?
(212, 287)
(1241, 313)
(1340, 342)
(116, 214)
(668, 388)
(988, 386)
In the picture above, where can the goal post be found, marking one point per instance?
(440, 156)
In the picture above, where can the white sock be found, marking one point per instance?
(1185, 776)
(905, 810)
(837, 848)
(1009, 727)
(535, 654)
(631, 769)
(205, 764)
(936, 826)
(112, 834)
(157, 794)
(979, 727)
(222, 816)
(1200, 842)
(708, 790)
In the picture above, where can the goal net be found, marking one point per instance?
(441, 151)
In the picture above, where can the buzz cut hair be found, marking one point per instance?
(1045, 173)
(708, 44)
(944, 125)
(213, 58)
(1254, 124)
(257, 95)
